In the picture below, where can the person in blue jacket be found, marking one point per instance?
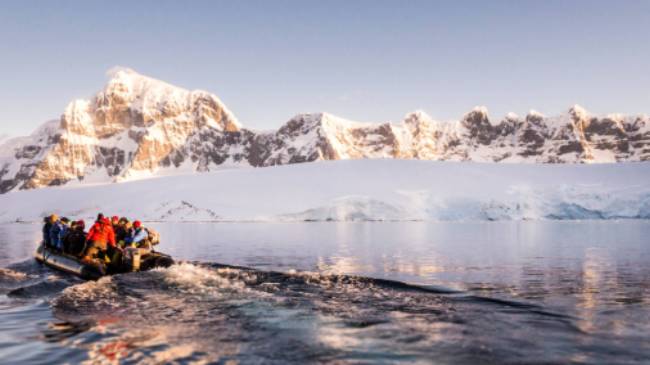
(57, 232)
(138, 236)
(47, 226)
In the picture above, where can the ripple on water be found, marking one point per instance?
(211, 312)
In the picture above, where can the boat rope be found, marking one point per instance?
(45, 254)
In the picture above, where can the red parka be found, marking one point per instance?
(102, 233)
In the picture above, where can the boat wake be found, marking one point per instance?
(198, 312)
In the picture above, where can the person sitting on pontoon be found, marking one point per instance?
(58, 232)
(139, 236)
(75, 241)
(100, 238)
(122, 231)
(47, 226)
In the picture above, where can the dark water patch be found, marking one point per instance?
(265, 316)
(41, 289)
(61, 331)
(28, 279)
(11, 279)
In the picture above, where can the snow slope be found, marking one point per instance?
(358, 190)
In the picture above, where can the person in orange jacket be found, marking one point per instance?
(101, 240)
(101, 234)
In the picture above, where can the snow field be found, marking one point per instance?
(358, 190)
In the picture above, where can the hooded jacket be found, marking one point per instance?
(101, 233)
(138, 235)
(57, 232)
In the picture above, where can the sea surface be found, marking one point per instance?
(346, 293)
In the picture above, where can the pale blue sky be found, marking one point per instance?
(363, 60)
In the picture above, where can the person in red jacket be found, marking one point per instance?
(101, 234)
(114, 221)
(101, 239)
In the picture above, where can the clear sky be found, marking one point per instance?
(362, 60)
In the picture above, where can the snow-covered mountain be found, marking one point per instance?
(139, 127)
(135, 126)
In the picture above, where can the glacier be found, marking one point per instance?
(357, 190)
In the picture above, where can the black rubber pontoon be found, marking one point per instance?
(73, 265)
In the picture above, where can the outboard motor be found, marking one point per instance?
(135, 262)
(133, 258)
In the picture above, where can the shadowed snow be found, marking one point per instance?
(359, 190)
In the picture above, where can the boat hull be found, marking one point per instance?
(73, 265)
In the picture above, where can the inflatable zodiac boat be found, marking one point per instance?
(134, 260)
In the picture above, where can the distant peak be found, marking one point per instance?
(512, 116)
(124, 75)
(477, 116)
(326, 120)
(480, 109)
(324, 115)
(309, 116)
(317, 116)
(535, 113)
(418, 114)
(127, 78)
(119, 71)
(417, 117)
(578, 112)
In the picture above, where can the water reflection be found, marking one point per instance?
(596, 272)
(586, 268)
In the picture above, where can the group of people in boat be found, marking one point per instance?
(105, 242)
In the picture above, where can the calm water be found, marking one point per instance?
(511, 292)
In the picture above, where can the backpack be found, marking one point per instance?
(153, 236)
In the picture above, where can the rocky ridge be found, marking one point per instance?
(139, 127)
